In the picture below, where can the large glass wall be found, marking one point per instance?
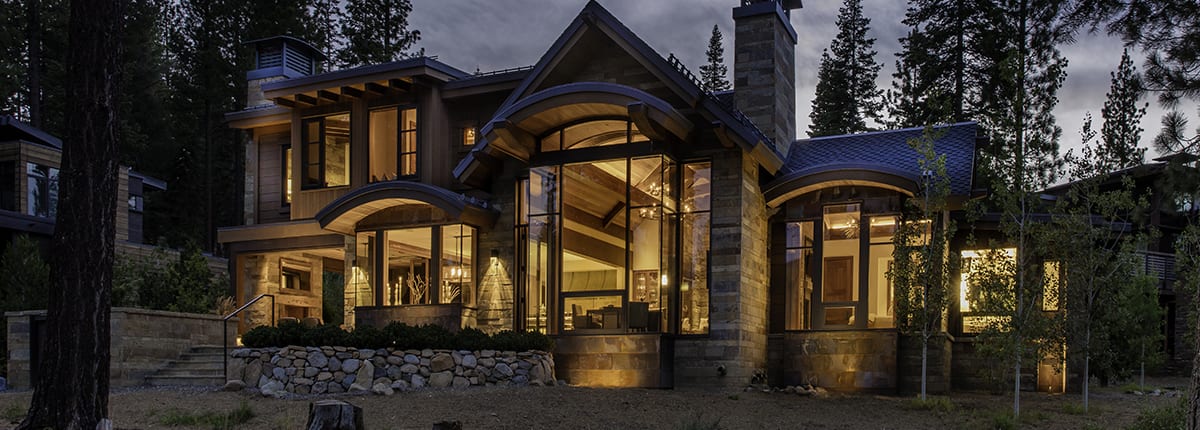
(598, 242)
(834, 261)
(398, 266)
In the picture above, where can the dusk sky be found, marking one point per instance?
(490, 35)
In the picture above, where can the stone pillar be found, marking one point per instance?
(250, 178)
(736, 348)
(764, 74)
(351, 253)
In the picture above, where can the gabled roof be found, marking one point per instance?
(881, 153)
(13, 129)
(732, 126)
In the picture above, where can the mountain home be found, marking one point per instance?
(663, 235)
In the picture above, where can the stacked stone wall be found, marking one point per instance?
(842, 360)
(336, 369)
(938, 360)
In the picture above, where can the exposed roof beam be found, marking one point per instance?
(286, 102)
(376, 88)
(400, 84)
(305, 98)
(329, 95)
(352, 92)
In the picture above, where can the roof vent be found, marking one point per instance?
(283, 56)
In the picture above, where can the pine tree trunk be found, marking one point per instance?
(71, 391)
(924, 367)
(1193, 416)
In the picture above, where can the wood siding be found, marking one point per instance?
(270, 140)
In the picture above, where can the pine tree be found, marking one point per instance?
(376, 31)
(933, 81)
(1122, 131)
(846, 94)
(325, 18)
(712, 74)
(1020, 71)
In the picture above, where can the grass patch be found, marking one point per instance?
(1167, 417)
(1003, 421)
(13, 413)
(1131, 387)
(1072, 408)
(215, 421)
(935, 404)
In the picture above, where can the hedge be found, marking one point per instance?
(394, 335)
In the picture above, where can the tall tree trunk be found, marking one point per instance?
(71, 391)
(924, 367)
(33, 36)
(1193, 416)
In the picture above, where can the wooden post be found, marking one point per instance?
(334, 415)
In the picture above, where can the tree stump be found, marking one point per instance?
(447, 425)
(334, 415)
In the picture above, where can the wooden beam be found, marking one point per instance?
(352, 92)
(612, 213)
(400, 84)
(307, 99)
(286, 102)
(376, 88)
(329, 95)
(512, 139)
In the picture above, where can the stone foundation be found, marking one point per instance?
(620, 360)
(843, 360)
(339, 369)
(937, 363)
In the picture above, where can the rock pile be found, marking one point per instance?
(311, 370)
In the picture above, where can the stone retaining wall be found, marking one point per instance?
(338, 369)
(143, 341)
(842, 360)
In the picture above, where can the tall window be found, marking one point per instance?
(799, 274)
(287, 175)
(695, 218)
(402, 266)
(42, 190)
(839, 264)
(326, 154)
(537, 236)
(881, 294)
(393, 142)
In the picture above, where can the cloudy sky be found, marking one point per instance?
(490, 35)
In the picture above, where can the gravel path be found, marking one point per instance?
(587, 408)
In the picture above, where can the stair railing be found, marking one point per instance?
(225, 328)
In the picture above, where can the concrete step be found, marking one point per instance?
(209, 349)
(192, 356)
(205, 380)
(194, 365)
(189, 373)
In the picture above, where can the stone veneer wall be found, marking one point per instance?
(842, 360)
(618, 360)
(339, 369)
(737, 338)
(938, 361)
(143, 341)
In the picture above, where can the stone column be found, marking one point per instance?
(736, 347)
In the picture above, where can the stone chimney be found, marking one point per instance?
(278, 58)
(764, 73)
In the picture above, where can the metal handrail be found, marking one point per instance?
(225, 329)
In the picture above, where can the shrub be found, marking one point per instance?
(394, 335)
(1168, 417)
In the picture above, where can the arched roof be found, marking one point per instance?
(342, 215)
(803, 182)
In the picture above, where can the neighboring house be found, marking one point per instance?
(1167, 216)
(664, 236)
(29, 166)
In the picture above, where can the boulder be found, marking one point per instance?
(418, 381)
(382, 389)
(324, 376)
(357, 388)
(273, 388)
(395, 360)
(441, 379)
(400, 385)
(351, 365)
(461, 382)
(320, 387)
(310, 372)
(366, 373)
(412, 359)
(334, 415)
(503, 369)
(252, 373)
(234, 369)
(318, 360)
(366, 354)
(469, 361)
(441, 362)
(234, 385)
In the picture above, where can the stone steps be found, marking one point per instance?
(200, 366)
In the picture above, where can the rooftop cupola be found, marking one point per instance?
(277, 58)
(764, 67)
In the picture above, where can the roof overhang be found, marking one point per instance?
(259, 116)
(797, 184)
(342, 215)
(513, 132)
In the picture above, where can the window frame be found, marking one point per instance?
(305, 141)
(285, 176)
(400, 131)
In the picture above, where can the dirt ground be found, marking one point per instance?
(588, 408)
